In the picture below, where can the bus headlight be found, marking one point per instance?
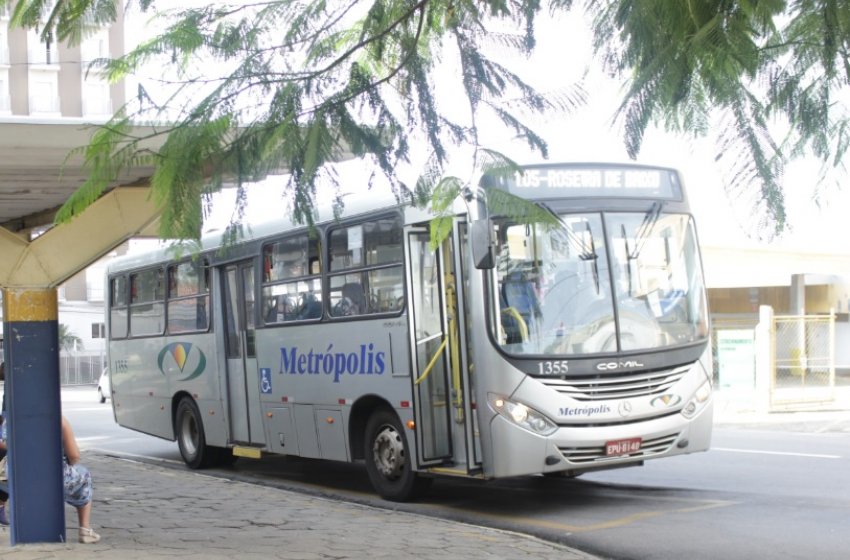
(697, 401)
(522, 415)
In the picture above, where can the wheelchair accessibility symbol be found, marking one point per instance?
(265, 380)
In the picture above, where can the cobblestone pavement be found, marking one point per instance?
(147, 511)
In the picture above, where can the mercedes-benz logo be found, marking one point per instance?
(625, 408)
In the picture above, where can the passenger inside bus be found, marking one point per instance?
(311, 307)
(282, 311)
(352, 302)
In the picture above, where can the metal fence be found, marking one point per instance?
(805, 359)
(78, 368)
(82, 367)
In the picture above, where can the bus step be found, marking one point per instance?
(460, 472)
(249, 452)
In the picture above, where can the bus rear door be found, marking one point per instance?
(243, 384)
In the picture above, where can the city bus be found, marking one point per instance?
(514, 346)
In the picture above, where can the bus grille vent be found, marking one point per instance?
(612, 387)
(648, 448)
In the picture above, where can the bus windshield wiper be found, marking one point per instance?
(586, 249)
(629, 257)
(592, 257)
(646, 226)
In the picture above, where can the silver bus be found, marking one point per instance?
(515, 347)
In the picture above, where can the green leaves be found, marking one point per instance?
(270, 86)
(770, 72)
(293, 86)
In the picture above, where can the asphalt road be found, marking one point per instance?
(780, 490)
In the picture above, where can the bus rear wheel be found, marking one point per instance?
(191, 439)
(388, 459)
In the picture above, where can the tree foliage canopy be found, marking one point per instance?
(268, 85)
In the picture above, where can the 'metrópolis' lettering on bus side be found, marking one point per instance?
(365, 362)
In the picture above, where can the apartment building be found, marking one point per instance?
(48, 83)
(53, 82)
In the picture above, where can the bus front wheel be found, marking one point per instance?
(190, 436)
(388, 459)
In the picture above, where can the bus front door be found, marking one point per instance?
(243, 390)
(441, 380)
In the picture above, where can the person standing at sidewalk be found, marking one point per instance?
(4, 517)
(77, 483)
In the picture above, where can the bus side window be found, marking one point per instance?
(118, 313)
(188, 297)
(366, 268)
(292, 287)
(147, 305)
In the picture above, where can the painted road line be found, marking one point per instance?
(785, 453)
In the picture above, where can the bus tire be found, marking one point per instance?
(388, 459)
(189, 429)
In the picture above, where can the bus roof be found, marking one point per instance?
(365, 203)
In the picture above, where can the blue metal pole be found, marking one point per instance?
(31, 352)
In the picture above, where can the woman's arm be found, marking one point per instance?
(69, 443)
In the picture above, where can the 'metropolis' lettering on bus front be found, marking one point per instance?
(365, 362)
(585, 410)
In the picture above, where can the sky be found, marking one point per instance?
(587, 135)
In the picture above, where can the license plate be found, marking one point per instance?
(622, 447)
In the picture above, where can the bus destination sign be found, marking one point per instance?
(591, 181)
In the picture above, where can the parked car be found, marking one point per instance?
(104, 389)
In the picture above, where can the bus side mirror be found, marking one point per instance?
(482, 244)
(482, 247)
(480, 229)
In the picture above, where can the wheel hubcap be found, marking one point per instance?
(189, 435)
(388, 452)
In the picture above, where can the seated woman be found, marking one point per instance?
(77, 484)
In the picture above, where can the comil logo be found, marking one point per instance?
(610, 366)
(188, 359)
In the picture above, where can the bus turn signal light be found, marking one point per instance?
(411, 425)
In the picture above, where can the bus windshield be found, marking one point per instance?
(598, 283)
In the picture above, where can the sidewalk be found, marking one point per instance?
(147, 511)
(740, 408)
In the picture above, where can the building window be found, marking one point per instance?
(95, 47)
(39, 52)
(5, 100)
(96, 99)
(44, 94)
(98, 330)
(4, 43)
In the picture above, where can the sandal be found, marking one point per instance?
(88, 536)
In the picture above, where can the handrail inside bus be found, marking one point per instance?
(432, 362)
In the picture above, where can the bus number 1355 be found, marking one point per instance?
(556, 367)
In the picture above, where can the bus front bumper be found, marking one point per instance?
(576, 449)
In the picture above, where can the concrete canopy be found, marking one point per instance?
(36, 177)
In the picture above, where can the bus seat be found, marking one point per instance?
(518, 293)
